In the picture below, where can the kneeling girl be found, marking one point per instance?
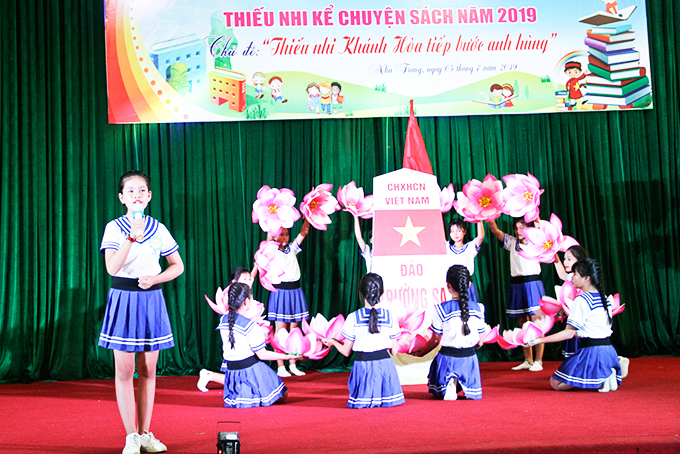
(458, 325)
(247, 382)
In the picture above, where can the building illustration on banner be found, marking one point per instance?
(187, 50)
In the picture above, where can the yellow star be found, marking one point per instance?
(409, 232)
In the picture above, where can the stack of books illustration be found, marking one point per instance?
(561, 99)
(615, 76)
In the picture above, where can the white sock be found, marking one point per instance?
(451, 392)
(624, 362)
(204, 378)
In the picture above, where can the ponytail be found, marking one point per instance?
(371, 289)
(237, 294)
(591, 268)
(458, 277)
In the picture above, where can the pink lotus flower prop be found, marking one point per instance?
(522, 196)
(296, 343)
(353, 200)
(519, 337)
(320, 328)
(615, 304)
(275, 209)
(221, 304)
(480, 201)
(545, 323)
(549, 306)
(545, 241)
(270, 271)
(324, 328)
(292, 343)
(446, 198)
(318, 204)
(491, 334)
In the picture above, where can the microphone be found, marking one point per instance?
(138, 214)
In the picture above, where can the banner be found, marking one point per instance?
(209, 60)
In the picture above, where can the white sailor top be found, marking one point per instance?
(143, 258)
(587, 315)
(355, 329)
(287, 260)
(519, 266)
(248, 338)
(447, 323)
(464, 256)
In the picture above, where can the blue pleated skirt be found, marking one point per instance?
(523, 299)
(374, 384)
(254, 386)
(590, 367)
(287, 306)
(136, 322)
(465, 369)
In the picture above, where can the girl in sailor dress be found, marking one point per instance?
(461, 253)
(526, 288)
(248, 382)
(595, 365)
(136, 320)
(371, 332)
(458, 326)
(287, 306)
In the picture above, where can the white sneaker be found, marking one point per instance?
(536, 366)
(526, 365)
(151, 443)
(204, 378)
(295, 371)
(282, 372)
(451, 392)
(624, 362)
(133, 443)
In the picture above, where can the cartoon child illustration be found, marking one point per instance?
(508, 95)
(336, 97)
(325, 88)
(275, 83)
(612, 7)
(258, 82)
(573, 70)
(496, 99)
(314, 98)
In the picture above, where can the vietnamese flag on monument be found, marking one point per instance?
(415, 154)
(408, 232)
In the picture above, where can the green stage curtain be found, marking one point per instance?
(611, 176)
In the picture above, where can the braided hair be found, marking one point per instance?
(458, 277)
(458, 222)
(371, 289)
(591, 268)
(238, 293)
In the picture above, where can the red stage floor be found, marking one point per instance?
(519, 413)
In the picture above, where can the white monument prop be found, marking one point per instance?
(409, 251)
